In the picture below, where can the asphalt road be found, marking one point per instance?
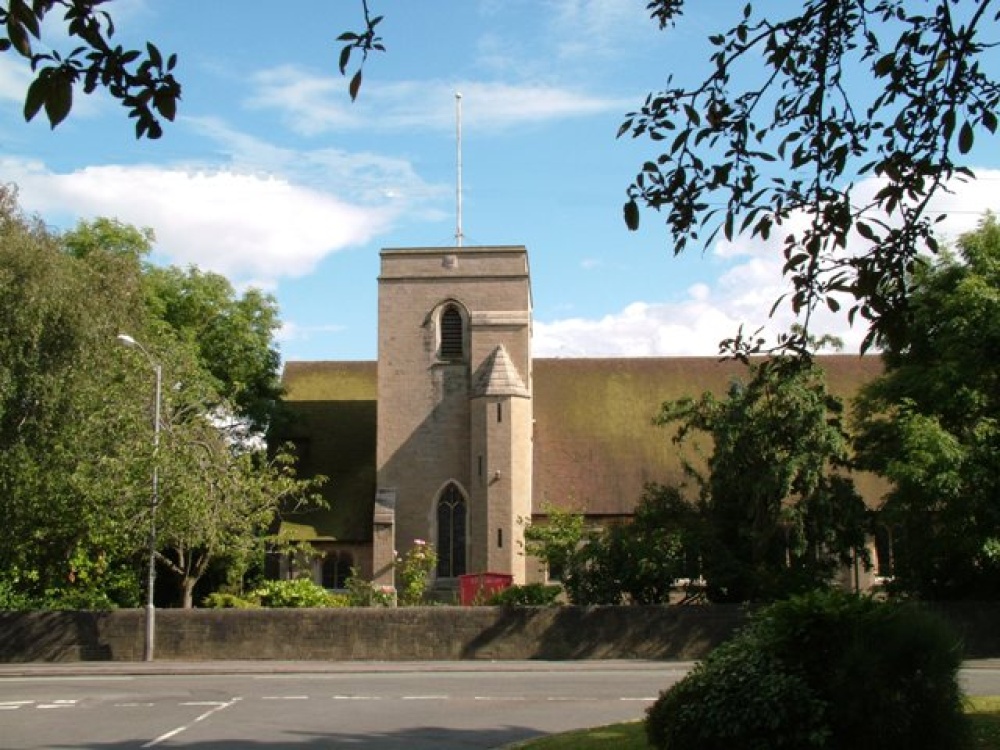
(296, 706)
(433, 705)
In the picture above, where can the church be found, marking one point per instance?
(457, 436)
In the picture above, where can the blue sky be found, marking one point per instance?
(271, 176)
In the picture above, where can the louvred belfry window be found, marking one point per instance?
(452, 337)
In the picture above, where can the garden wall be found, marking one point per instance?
(419, 633)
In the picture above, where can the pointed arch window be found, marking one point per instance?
(451, 527)
(452, 335)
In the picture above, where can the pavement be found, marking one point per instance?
(103, 668)
(166, 667)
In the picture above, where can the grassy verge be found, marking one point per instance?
(984, 716)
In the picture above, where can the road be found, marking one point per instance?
(456, 705)
(297, 706)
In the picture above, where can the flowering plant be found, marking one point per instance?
(414, 571)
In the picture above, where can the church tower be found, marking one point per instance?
(454, 453)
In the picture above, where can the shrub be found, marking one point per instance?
(413, 571)
(218, 600)
(363, 593)
(529, 595)
(826, 670)
(738, 698)
(297, 592)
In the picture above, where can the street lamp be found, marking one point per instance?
(149, 644)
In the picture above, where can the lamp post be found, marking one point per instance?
(150, 641)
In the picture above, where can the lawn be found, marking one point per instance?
(984, 714)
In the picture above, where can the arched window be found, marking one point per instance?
(452, 336)
(337, 569)
(451, 523)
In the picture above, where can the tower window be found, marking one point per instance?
(451, 334)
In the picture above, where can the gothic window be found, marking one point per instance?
(452, 335)
(451, 524)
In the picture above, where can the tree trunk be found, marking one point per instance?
(187, 591)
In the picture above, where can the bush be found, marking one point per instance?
(413, 572)
(529, 595)
(859, 674)
(738, 698)
(297, 592)
(363, 593)
(218, 600)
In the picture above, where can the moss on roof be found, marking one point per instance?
(331, 418)
(595, 446)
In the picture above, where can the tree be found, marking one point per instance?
(143, 82)
(779, 511)
(76, 407)
(70, 520)
(636, 562)
(231, 334)
(931, 424)
(748, 159)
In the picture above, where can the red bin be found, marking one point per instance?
(477, 588)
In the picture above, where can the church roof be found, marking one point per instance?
(595, 445)
(498, 377)
(330, 417)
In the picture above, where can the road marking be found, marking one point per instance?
(425, 697)
(357, 698)
(59, 704)
(640, 700)
(572, 699)
(202, 703)
(499, 698)
(133, 705)
(185, 727)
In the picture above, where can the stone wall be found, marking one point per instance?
(417, 633)
(404, 634)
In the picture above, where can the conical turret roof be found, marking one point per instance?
(499, 377)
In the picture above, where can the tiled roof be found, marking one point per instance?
(498, 377)
(595, 445)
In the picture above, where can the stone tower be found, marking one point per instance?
(454, 448)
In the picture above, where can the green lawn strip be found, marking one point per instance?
(983, 711)
(985, 714)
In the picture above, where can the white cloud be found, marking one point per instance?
(366, 177)
(743, 294)
(245, 226)
(597, 28)
(15, 76)
(311, 104)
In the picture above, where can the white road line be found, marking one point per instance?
(133, 705)
(425, 697)
(357, 698)
(178, 730)
(499, 698)
(640, 700)
(15, 704)
(202, 703)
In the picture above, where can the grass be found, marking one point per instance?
(984, 717)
